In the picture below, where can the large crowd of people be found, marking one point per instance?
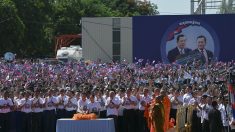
(35, 94)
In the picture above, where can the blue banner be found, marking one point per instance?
(177, 38)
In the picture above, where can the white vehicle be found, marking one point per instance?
(74, 52)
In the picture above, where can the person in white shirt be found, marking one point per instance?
(130, 106)
(60, 111)
(26, 107)
(187, 96)
(37, 112)
(121, 123)
(171, 93)
(176, 101)
(50, 105)
(112, 105)
(82, 104)
(70, 104)
(17, 113)
(204, 115)
(102, 101)
(193, 99)
(6, 105)
(93, 106)
(143, 101)
(224, 109)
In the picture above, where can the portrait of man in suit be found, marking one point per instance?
(180, 50)
(206, 55)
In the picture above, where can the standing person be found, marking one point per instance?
(214, 118)
(60, 111)
(176, 101)
(121, 123)
(37, 112)
(101, 100)
(167, 107)
(49, 113)
(26, 108)
(157, 115)
(93, 106)
(130, 106)
(205, 110)
(82, 104)
(224, 109)
(18, 113)
(179, 50)
(196, 120)
(143, 101)
(6, 105)
(156, 93)
(70, 105)
(112, 105)
(187, 96)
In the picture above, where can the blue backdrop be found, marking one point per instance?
(154, 36)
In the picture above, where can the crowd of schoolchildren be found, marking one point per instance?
(34, 95)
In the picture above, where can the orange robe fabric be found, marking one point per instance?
(147, 114)
(167, 108)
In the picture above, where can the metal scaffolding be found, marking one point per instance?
(221, 6)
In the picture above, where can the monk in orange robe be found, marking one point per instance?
(167, 107)
(158, 116)
(148, 112)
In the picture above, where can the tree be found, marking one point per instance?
(132, 7)
(31, 25)
(36, 16)
(11, 28)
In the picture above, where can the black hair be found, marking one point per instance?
(214, 104)
(201, 36)
(92, 95)
(179, 36)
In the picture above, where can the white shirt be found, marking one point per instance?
(61, 100)
(181, 51)
(17, 102)
(112, 110)
(144, 100)
(180, 100)
(37, 102)
(93, 107)
(82, 105)
(121, 107)
(186, 98)
(170, 96)
(7, 103)
(70, 104)
(224, 114)
(102, 103)
(205, 110)
(192, 101)
(50, 103)
(27, 105)
(127, 102)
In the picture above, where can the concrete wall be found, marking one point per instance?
(126, 39)
(97, 38)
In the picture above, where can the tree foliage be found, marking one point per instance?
(28, 27)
